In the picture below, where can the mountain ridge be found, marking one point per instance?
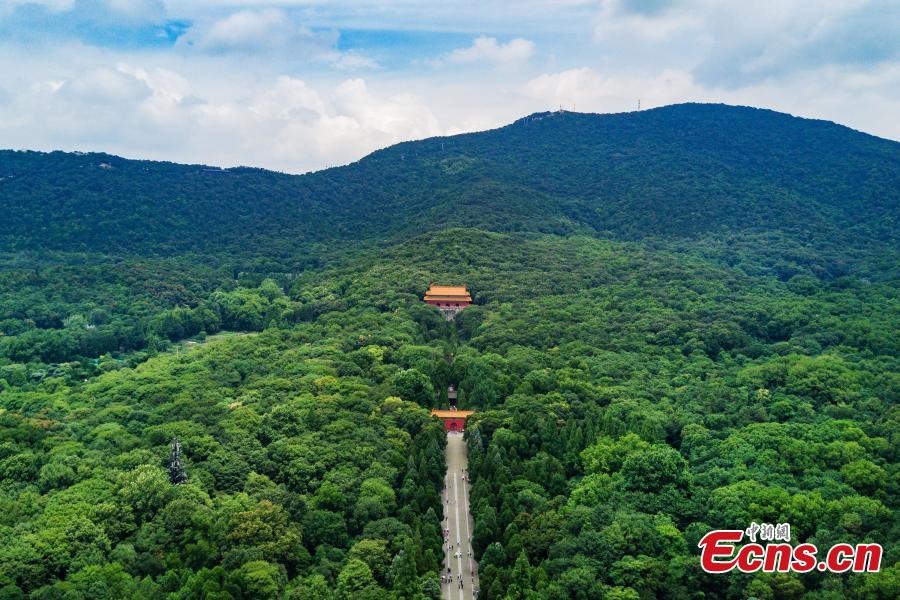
(681, 171)
(539, 115)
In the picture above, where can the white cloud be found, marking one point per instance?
(350, 61)
(253, 84)
(487, 49)
(105, 85)
(298, 126)
(637, 29)
(273, 34)
(284, 123)
(586, 90)
(248, 30)
(572, 88)
(740, 43)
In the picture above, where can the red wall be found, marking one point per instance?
(460, 424)
(447, 304)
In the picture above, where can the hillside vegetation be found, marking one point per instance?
(684, 319)
(673, 172)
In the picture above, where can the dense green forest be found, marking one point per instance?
(685, 319)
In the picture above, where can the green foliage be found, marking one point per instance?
(684, 319)
(289, 475)
(414, 386)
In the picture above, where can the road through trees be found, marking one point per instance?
(460, 571)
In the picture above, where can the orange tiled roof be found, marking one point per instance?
(450, 414)
(448, 292)
(452, 290)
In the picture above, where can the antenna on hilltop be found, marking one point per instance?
(639, 104)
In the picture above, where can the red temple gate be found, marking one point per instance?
(454, 420)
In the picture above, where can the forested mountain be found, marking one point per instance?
(685, 319)
(677, 171)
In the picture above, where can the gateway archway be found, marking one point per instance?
(454, 420)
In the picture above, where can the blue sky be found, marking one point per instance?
(300, 85)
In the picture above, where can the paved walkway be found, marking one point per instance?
(458, 555)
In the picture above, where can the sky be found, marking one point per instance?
(300, 85)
